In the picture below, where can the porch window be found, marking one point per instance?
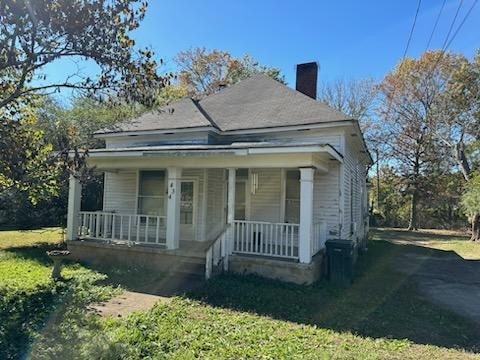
(240, 200)
(292, 197)
(151, 193)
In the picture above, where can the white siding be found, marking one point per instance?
(123, 141)
(216, 202)
(326, 200)
(316, 136)
(355, 173)
(120, 191)
(266, 204)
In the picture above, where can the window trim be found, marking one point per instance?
(138, 196)
(284, 195)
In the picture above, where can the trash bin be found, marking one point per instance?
(340, 255)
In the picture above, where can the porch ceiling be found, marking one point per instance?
(252, 155)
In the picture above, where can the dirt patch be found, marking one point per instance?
(143, 295)
(126, 303)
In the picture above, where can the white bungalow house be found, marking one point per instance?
(254, 178)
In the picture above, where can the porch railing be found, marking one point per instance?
(121, 227)
(216, 257)
(264, 238)
(319, 237)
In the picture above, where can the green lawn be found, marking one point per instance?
(382, 315)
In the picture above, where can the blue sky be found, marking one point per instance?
(350, 39)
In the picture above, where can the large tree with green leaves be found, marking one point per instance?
(411, 96)
(458, 127)
(35, 34)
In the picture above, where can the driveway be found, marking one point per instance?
(444, 277)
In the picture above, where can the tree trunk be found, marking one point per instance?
(464, 166)
(475, 227)
(413, 212)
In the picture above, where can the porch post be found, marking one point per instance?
(306, 215)
(232, 173)
(74, 198)
(231, 195)
(173, 208)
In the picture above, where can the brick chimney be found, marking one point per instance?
(307, 79)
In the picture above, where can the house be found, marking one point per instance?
(252, 179)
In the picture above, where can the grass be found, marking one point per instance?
(435, 239)
(381, 316)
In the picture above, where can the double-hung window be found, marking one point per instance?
(292, 197)
(151, 193)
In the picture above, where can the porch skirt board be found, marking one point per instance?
(277, 269)
(135, 257)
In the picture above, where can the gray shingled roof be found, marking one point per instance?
(257, 102)
(181, 114)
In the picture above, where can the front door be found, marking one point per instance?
(187, 209)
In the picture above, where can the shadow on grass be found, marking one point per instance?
(137, 279)
(36, 252)
(413, 236)
(381, 303)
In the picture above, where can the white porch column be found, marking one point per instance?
(173, 208)
(231, 195)
(232, 173)
(74, 198)
(306, 215)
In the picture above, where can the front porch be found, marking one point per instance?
(211, 213)
(248, 237)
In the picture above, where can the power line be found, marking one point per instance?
(412, 29)
(462, 22)
(451, 26)
(435, 26)
(447, 44)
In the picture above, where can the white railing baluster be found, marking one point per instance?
(265, 238)
(103, 226)
(113, 227)
(129, 228)
(139, 221)
(146, 228)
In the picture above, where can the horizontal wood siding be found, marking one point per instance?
(265, 204)
(120, 190)
(355, 171)
(155, 139)
(326, 200)
(215, 219)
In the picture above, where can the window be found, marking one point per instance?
(151, 193)
(240, 200)
(292, 197)
(186, 202)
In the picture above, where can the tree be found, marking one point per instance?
(355, 98)
(26, 162)
(204, 72)
(37, 33)
(34, 34)
(459, 126)
(409, 111)
(471, 201)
